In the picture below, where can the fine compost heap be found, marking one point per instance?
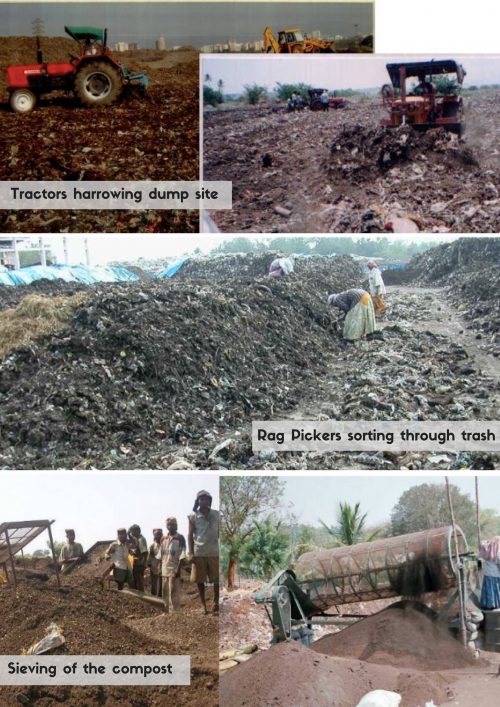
(399, 649)
(98, 622)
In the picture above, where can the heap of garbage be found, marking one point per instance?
(468, 268)
(359, 153)
(149, 365)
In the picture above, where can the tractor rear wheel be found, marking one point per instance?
(22, 100)
(98, 84)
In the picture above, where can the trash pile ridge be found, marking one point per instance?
(359, 153)
(159, 363)
(439, 265)
(468, 267)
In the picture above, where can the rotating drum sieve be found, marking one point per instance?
(405, 565)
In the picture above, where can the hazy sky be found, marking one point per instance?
(188, 23)
(330, 71)
(318, 497)
(96, 504)
(104, 249)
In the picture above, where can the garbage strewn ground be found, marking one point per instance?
(339, 172)
(152, 138)
(170, 373)
(95, 622)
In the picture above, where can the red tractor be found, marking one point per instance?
(95, 76)
(427, 104)
(334, 102)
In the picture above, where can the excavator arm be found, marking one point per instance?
(270, 42)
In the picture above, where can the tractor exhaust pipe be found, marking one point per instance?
(39, 53)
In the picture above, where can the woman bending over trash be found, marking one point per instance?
(360, 315)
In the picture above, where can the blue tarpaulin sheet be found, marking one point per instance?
(77, 273)
(173, 268)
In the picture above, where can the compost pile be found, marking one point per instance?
(110, 143)
(285, 671)
(143, 367)
(97, 622)
(402, 635)
(340, 172)
(90, 618)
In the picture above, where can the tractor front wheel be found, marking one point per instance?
(22, 100)
(98, 83)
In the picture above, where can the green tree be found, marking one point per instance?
(426, 506)
(243, 500)
(445, 86)
(285, 90)
(239, 245)
(489, 523)
(254, 93)
(265, 551)
(212, 97)
(290, 245)
(41, 553)
(350, 527)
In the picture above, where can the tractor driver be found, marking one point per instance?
(424, 88)
(90, 48)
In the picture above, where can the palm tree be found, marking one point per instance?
(350, 526)
(208, 78)
(220, 86)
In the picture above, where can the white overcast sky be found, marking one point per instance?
(313, 497)
(123, 248)
(96, 504)
(331, 72)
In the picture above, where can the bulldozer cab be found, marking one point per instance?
(289, 36)
(399, 73)
(432, 100)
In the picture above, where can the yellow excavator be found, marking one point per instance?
(294, 41)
